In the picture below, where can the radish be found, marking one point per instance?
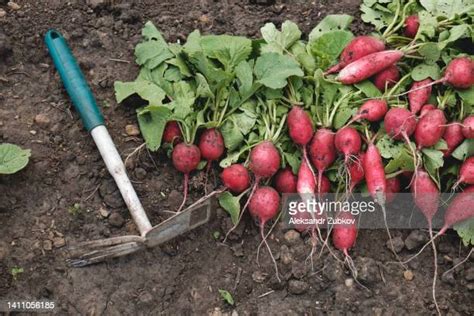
(264, 160)
(236, 178)
(325, 186)
(466, 173)
(468, 127)
(356, 173)
(356, 49)
(459, 210)
(399, 124)
(412, 23)
(186, 158)
(387, 78)
(305, 183)
(375, 174)
(393, 187)
(344, 237)
(373, 110)
(322, 152)
(172, 133)
(453, 136)
(459, 73)
(430, 128)
(211, 144)
(348, 142)
(263, 206)
(426, 108)
(419, 94)
(368, 66)
(285, 181)
(300, 128)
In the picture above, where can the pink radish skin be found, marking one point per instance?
(325, 186)
(375, 174)
(300, 126)
(172, 133)
(425, 194)
(468, 127)
(372, 111)
(399, 122)
(322, 152)
(236, 178)
(393, 187)
(211, 144)
(412, 23)
(185, 159)
(460, 209)
(466, 172)
(426, 108)
(356, 173)
(460, 73)
(306, 183)
(368, 66)
(418, 98)
(348, 142)
(344, 235)
(387, 78)
(430, 128)
(285, 181)
(453, 137)
(264, 160)
(359, 47)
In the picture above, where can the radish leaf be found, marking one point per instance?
(13, 158)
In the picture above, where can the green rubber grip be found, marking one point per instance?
(73, 80)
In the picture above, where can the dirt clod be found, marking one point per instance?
(116, 220)
(3, 13)
(367, 270)
(42, 120)
(47, 245)
(398, 244)
(59, 242)
(140, 173)
(132, 130)
(408, 275)
(13, 6)
(292, 237)
(297, 287)
(415, 240)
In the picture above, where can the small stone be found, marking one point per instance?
(259, 276)
(13, 5)
(104, 212)
(3, 13)
(116, 220)
(292, 237)
(59, 242)
(216, 312)
(140, 173)
(42, 120)
(132, 130)
(415, 240)
(470, 286)
(299, 270)
(297, 287)
(349, 282)
(408, 275)
(397, 242)
(469, 274)
(47, 245)
(285, 255)
(33, 132)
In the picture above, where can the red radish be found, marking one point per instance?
(430, 128)
(466, 173)
(322, 152)
(453, 137)
(305, 183)
(236, 178)
(373, 110)
(468, 127)
(459, 210)
(264, 160)
(211, 144)
(172, 133)
(300, 126)
(417, 96)
(356, 49)
(426, 108)
(459, 73)
(412, 23)
(399, 123)
(387, 78)
(344, 235)
(325, 186)
(426, 195)
(393, 187)
(285, 181)
(375, 174)
(185, 159)
(348, 142)
(356, 173)
(368, 66)
(263, 206)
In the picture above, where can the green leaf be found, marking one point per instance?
(272, 70)
(231, 204)
(433, 160)
(455, 33)
(333, 22)
(402, 161)
(368, 88)
(467, 95)
(226, 296)
(13, 158)
(447, 8)
(147, 90)
(278, 41)
(465, 230)
(423, 71)
(181, 64)
(343, 114)
(232, 135)
(388, 148)
(441, 145)
(465, 150)
(243, 72)
(173, 74)
(183, 100)
(202, 89)
(244, 121)
(151, 54)
(431, 52)
(327, 47)
(150, 32)
(293, 160)
(152, 121)
(428, 24)
(230, 159)
(377, 18)
(228, 50)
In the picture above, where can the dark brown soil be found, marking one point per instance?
(57, 198)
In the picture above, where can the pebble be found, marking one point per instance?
(3, 13)
(33, 132)
(59, 242)
(408, 275)
(398, 244)
(285, 255)
(13, 5)
(415, 240)
(297, 287)
(132, 130)
(47, 245)
(140, 173)
(104, 212)
(292, 237)
(259, 276)
(299, 270)
(116, 220)
(470, 286)
(42, 120)
(349, 282)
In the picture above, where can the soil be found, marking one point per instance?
(66, 195)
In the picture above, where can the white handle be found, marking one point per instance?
(115, 165)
